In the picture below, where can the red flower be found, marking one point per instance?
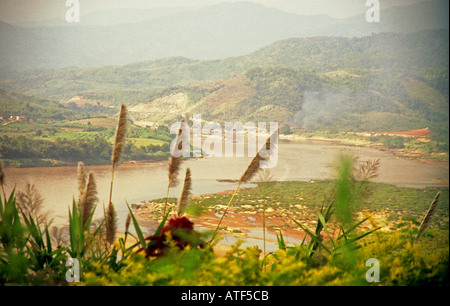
(182, 232)
(179, 223)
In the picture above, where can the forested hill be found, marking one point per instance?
(409, 54)
(380, 82)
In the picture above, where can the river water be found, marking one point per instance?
(140, 182)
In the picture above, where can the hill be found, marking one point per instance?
(413, 53)
(382, 82)
(218, 31)
(305, 99)
(43, 110)
(17, 104)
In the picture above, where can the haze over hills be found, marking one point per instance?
(110, 17)
(402, 53)
(380, 82)
(314, 72)
(219, 31)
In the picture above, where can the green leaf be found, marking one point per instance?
(138, 229)
(314, 237)
(281, 243)
(351, 229)
(49, 240)
(324, 224)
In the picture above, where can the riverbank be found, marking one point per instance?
(274, 205)
(413, 150)
(141, 181)
(355, 139)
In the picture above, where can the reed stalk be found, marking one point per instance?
(174, 166)
(225, 212)
(127, 226)
(111, 223)
(264, 229)
(249, 173)
(185, 193)
(430, 213)
(2, 178)
(88, 200)
(81, 176)
(119, 144)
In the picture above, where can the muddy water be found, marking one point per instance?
(140, 182)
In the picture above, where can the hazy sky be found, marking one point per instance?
(12, 11)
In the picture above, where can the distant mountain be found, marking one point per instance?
(425, 15)
(410, 53)
(110, 17)
(382, 82)
(213, 32)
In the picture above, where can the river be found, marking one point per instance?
(141, 182)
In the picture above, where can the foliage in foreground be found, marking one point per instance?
(401, 263)
(28, 257)
(177, 255)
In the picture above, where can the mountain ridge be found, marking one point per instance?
(208, 33)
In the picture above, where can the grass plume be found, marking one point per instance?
(427, 219)
(121, 132)
(175, 162)
(88, 199)
(127, 226)
(255, 165)
(185, 193)
(251, 170)
(31, 205)
(81, 176)
(368, 170)
(119, 143)
(111, 223)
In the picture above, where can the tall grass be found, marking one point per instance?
(347, 195)
(82, 178)
(185, 193)
(30, 202)
(119, 143)
(174, 164)
(250, 172)
(428, 216)
(88, 200)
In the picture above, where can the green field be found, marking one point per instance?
(143, 142)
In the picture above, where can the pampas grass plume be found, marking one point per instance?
(88, 199)
(427, 219)
(254, 166)
(175, 162)
(121, 132)
(111, 223)
(185, 194)
(81, 176)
